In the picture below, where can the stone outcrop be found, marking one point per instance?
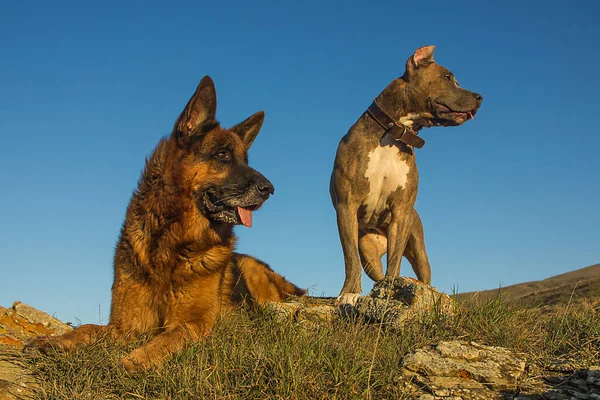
(308, 315)
(396, 301)
(15, 380)
(17, 324)
(578, 384)
(391, 301)
(21, 322)
(458, 370)
(455, 369)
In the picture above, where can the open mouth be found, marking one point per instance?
(445, 111)
(227, 211)
(245, 215)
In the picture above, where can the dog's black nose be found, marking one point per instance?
(265, 187)
(478, 97)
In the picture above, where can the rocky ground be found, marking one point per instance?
(451, 370)
(17, 324)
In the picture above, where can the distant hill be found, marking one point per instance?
(579, 286)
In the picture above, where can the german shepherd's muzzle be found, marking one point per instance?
(233, 201)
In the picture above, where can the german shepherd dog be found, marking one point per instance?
(174, 266)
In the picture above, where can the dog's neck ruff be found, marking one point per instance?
(395, 129)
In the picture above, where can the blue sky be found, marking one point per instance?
(87, 91)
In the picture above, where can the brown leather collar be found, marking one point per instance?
(395, 129)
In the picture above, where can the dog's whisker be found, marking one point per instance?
(224, 199)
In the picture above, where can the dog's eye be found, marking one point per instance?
(451, 79)
(223, 155)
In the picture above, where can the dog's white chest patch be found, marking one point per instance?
(386, 172)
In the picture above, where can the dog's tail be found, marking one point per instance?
(257, 282)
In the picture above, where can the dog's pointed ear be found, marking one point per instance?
(201, 108)
(248, 129)
(423, 56)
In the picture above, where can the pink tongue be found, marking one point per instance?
(245, 216)
(471, 116)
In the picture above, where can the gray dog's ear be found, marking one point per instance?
(201, 108)
(423, 56)
(248, 129)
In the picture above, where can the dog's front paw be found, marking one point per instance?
(44, 344)
(138, 360)
(133, 363)
(347, 299)
(130, 364)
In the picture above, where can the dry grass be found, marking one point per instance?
(253, 356)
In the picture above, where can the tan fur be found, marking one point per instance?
(175, 269)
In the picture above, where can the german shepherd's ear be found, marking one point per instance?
(248, 129)
(423, 56)
(201, 109)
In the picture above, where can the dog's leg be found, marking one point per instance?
(397, 236)
(168, 342)
(348, 228)
(372, 246)
(415, 251)
(79, 337)
(260, 282)
(133, 309)
(192, 318)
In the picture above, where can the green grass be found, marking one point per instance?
(251, 355)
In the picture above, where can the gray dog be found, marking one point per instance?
(375, 179)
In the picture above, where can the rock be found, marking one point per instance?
(398, 300)
(394, 301)
(283, 311)
(469, 371)
(310, 315)
(581, 384)
(464, 370)
(21, 322)
(15, 381)
(556, 395)
(564, 366)
(17, 324)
